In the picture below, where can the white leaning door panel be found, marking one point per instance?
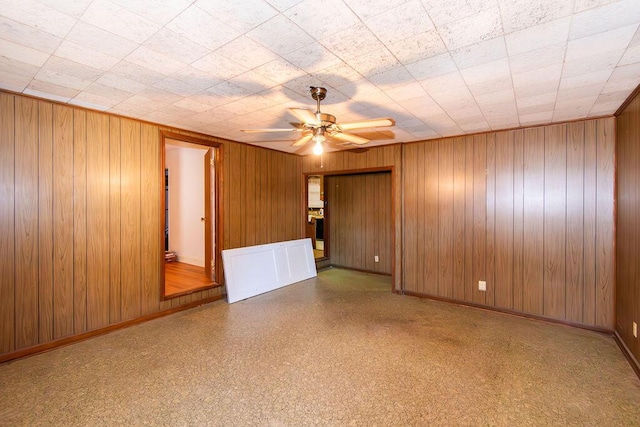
(254, 270)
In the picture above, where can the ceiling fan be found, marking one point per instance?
(319, 126)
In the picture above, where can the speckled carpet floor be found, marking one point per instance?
(337, 350)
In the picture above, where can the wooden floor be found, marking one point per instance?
(180, 278)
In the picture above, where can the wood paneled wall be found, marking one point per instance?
(628, 225)
(353, 161)
(530, 211)
(360, 221)
(80, 217)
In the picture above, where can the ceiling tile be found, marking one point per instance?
(92, 101)
(160, 12)
(86, 55)
(442, 13)
(192, 105)
(533, 38)
(202, 28)
(176, 46)
(612, 40)
(582, 5)
(473, 29)
(197, 78)
(320, 19)
(432, 67)
(246, 52)
(592, 63)
(368, 8)
(539, 58)
(587, 79)
(14, 82)
(279, 71)
(283, 5)
(443, 82)
(61, 93)
(120, 82)
(68, 73)
(374, 62)
(313, 57)
(22, 53)
(253, 82)
(587, 91)
(135, 72)
(100, 40)
(542, 117)
(117, 20)
(605, 18)
(25, 35)
(179, 87)
(243, 15)
(392, 78)
(38, 16)
(480, 53)
(548, 75)
(401, 22)
(417, 47)
(288, 38)
(517, 15)
(631, 55)
(353, 41)
(487, 72)
(410, 90)
(152, 60)
(482, 87)
(72, 8)
(110, 93)
(219, 66)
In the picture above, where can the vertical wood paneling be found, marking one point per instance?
(590, 196)
(479, 214)
(555, 197)
(79, 221)
(445, 219)
(604, 224)
(490, 260)
(410, 217)
(149, 218)
(81, 211)
(26, 222)
(504, 210)
(358, 222)
(98, 266)
(533, 222)
(575, 222)
(424, 222)
(627, 293)
(7, 223)
(115, 214)
(459, 213)
(518, 221)
(45, 222)
(130, 223)
(63, 221)
(469, 278)
(430, 224)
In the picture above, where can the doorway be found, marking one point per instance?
(316, 214)
(190, 208)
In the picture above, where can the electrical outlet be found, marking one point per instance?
(482, 285)
(635, 329)
(376, 259)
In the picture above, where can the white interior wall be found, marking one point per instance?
(186, 202)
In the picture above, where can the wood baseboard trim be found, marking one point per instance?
(42, 348)
(627, 353)
(379, 273)
(512, 313)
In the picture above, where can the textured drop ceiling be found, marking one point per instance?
(439, 68)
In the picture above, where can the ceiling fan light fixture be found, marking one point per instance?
(317, 148)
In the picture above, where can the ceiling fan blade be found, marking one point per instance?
(304, 115)
(271, 130)
(373, 123)
(302, 140)
(347, 137)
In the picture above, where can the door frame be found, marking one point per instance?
(219, 213)
(326, 262)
